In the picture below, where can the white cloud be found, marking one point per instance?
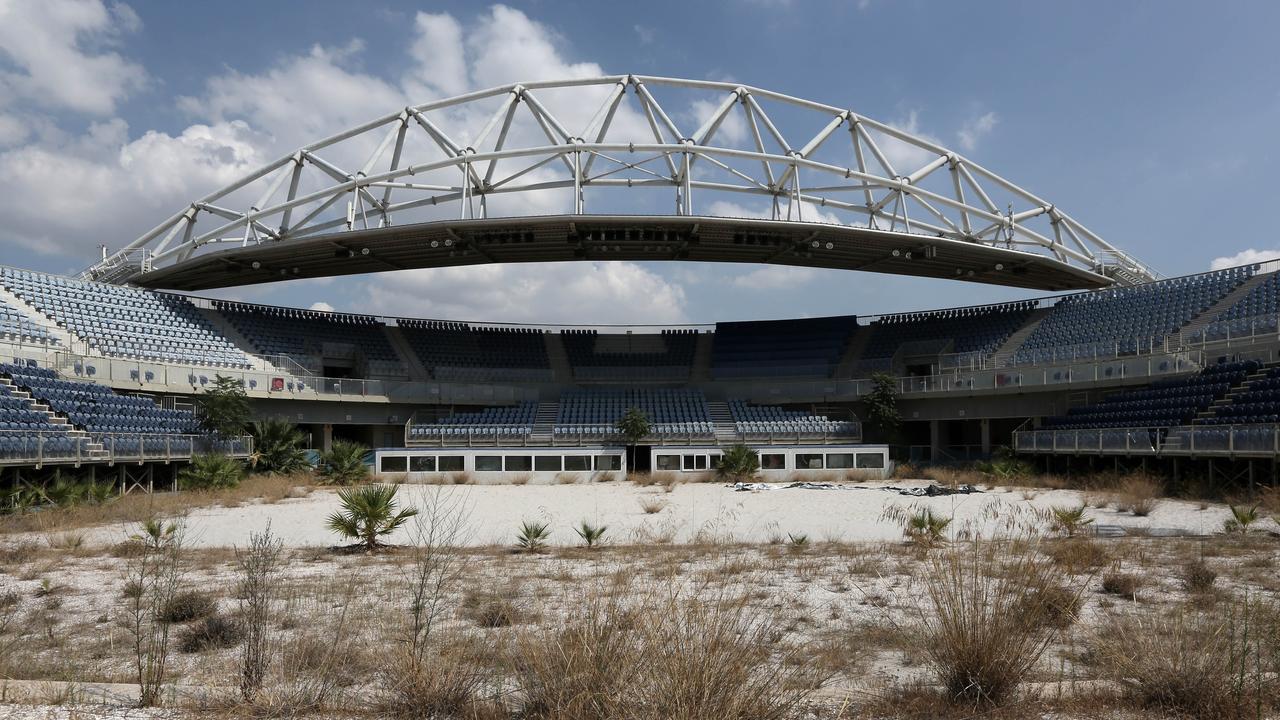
(322, 306)
(732, 130)
(1244, 257)
(598, 292)
(808, 212)
(645, 34)
(974, 130)
(905, 157)
(45, 43)
(774, 277)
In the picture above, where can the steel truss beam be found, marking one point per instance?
(417, 159)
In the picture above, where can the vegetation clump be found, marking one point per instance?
(368, 514)
(344, 464)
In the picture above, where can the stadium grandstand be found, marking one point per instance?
(1111, 364)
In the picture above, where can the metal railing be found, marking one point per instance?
(21, 447)
(1219, 440)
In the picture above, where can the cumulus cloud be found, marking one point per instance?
(1244, 257)
(774, 277)
(52, 54)
(321, 306)
(599, 292)
(975, 129)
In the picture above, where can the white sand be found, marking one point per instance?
(695, 511)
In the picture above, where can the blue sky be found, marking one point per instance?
(1153, 123)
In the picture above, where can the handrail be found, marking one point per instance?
(27, 447)
(1234, 439)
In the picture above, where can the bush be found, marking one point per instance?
(993, 607)
(212, 633)
(187, 606)
(1122, 584)
(493, 608)
(532, 536)
(369, 513)
(343, 464)
(277, 447)
(1197, 577)
(1187, 662)
(211, 471)
(738, 462)
(1069, 521)
(1076, 555)
(1138, 494)
(1241, 518)
(446, 684)
(925, 529)
(592, 535)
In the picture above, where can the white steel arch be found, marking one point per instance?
(565, 141)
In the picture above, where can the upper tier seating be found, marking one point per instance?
(514, 420)
(99, 411)
(126, 322)
(16, 326)
(979, 330)
(771, 419)
(1126, 319)
(808, 347)
(1255, 313)
(466, 353)
(670, 412)
(1164, 403)
(1257, 402)
(303, 334)
(618, 356)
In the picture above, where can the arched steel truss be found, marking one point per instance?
(455, 158)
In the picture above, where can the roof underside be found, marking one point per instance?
(557, 238)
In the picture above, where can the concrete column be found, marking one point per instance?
(984, 425)
(326, 437)
(935, 440)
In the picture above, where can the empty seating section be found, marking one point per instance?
(129, 424)
(808, 347)
(628, 356)
(980, 330)
(669, 411)
(1165, 403)
(466, 353)
(27, 432)
(514, 420)
(1255, 313)
(126, 322)
(309, 335)
(1257, 402)
(1126, 319)
(16, 326)
(770, 419)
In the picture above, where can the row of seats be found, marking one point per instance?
(1258, 401)
(589, 350)
(1123, 318)
(979, 330)
(772, 419)
(668, 410)
(449, 349)
(126, 322)
(309, 335)
(97, 409)
(507, 420)
(14, 325)
(1164, 403)
(809, 347)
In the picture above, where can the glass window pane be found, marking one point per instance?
(686, 462)
(808, 462)
(422, 463)
(488, 463)
(608, 462)
(870, 460)
(519, 463)
(839, 460)
(700, 462)
(668, 462)
(546, 463)
(577, 462)
(773, 461)
(449, 463)
(394, 463)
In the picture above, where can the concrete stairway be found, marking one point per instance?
(417, 371)
(723, 420)
(91, 449)
(55, 330)
(1211, 313)
(558, 358)
(1232, 394)
(544, 421)
(701, 370)
(1014, 341)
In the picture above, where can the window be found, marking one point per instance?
(519, 463)
(808, 462)
(577, 462)
(422, 463)
(668, 462)
(839, 460)
(488, 463)
(547, 463)
(694, 462)
(608, 462)
(870, 460)
(394, 463)
(773, 461)
(449, 463)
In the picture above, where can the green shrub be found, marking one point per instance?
(212, 633)
(186, 606)
(592, 535)
(532, 535)
(277, 447)
(343, 464)
(738, 462)
(211, 471)
(368, 513)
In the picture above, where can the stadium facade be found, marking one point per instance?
(101, 370)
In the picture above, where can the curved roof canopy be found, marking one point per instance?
(621, 167)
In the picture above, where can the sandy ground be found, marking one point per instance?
(692, 512)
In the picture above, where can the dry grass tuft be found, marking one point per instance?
(186, 606)
(520, 478)
(1125, 585)
(1138, 494)
(493, 607)
(1198, 577)
(1077, 555)
(652, 505)
(568, 478)
(462, 478)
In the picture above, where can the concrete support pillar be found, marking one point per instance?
(984, 426)
(935, 441)
(326, 438)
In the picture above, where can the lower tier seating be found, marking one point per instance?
(775, 420)
(670, 412)
(515, 420)
(1164, 403)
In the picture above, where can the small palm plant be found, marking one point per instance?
(798, 540)
(277, 447)
(926, 529)
(1069, 520)
(592, 535)
(738, 462)
(155, 533)
(211, 471)
(532, 536)
(369, 513)
(343, 463)
(1241, 518)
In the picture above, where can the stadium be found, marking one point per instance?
(1109, 365)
